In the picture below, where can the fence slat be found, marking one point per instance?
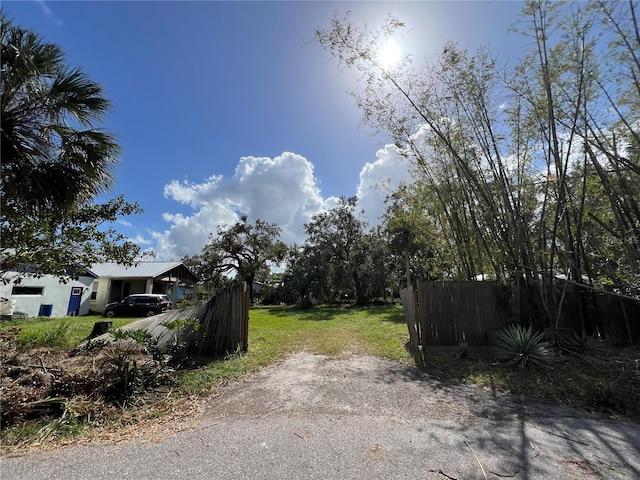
(453, 312)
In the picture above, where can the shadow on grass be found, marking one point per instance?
(605, 386)
(387, 313)
(308, 314)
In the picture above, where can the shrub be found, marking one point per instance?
(133, 371)
(522, 347)
(57, 337)
(569, 342)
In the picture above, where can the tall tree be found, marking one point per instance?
(243, 248)
(305, 279)
(55, 160)
(508, 159)
(53, 153)
(336, 239)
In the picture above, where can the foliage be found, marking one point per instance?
(53, 154)
(55, 160)
(243, 249)
(134, 374)
(569, 342)
(304, 278)
(522, 347)
(339, 259)
(68, 332)
(417, 241)
(521, 173)
(178, 350)
(41, 242)
(56, 337)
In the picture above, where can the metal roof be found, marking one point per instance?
(142, 270)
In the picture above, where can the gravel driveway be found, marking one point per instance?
(358, 417)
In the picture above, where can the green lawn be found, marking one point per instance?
(277, 331)
(273, 333)
(603, 384)
(65, 332)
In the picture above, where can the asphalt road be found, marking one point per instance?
(358, 418)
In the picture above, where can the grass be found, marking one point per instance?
(275, 332)
(65, 332)
(607, 385)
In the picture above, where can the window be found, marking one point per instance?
(94, 292)
(21, 290)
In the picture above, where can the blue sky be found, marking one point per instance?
(225, 107)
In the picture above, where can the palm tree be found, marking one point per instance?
(54, 156)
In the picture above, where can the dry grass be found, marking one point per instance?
(55, 398)
(607, 385)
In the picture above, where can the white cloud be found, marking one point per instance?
(50, 14)
(280, 190)
(379, 179)
(140, 240)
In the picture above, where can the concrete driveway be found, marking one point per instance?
(357, 417)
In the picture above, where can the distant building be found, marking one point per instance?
(46, 296)
(95, 287)
(114, 282)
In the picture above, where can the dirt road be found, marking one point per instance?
(359, 417)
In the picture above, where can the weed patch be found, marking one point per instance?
(52, 393)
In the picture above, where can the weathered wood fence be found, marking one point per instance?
(224, 324)
(447, 313)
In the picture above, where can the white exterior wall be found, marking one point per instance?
(53, 293)
(102, 294)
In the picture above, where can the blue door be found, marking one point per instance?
(74, 302)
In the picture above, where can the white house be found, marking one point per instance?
(45, 296)
(114, 282)
(102, 283)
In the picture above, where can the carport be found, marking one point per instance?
(114, 282)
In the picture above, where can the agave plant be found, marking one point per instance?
(522, 347)
(569, 342)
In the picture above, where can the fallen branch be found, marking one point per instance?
(561, 436)
(440, 472)
(477, 460)
(44, 369)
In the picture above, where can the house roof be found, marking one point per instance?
(144, 270)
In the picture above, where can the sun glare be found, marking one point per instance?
(389, 54)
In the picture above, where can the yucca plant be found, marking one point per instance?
(595, 346)
(522, 347)
(569, 342)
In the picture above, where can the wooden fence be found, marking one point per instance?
(447, 313)
(225, 322)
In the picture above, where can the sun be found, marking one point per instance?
(389, 54)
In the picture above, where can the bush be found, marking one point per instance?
(569, 342)
(522, 347)
(57, 337)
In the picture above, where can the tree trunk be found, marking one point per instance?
(100, 328)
